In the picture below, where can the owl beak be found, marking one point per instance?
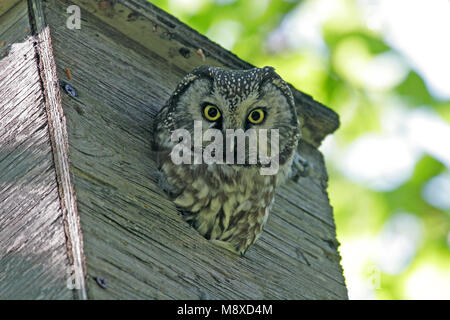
(231, 141)
(230, 144)
(230, 149)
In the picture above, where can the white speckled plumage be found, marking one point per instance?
(227, 204)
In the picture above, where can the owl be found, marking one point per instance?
(228, 202)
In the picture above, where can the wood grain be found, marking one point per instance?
(125, 61)
(164, 35)
(33, 256)
(14, 25)
(60, 148)
(6, 5)
(133, 235)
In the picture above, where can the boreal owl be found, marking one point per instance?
(226, 201)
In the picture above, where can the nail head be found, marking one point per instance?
(101, 281)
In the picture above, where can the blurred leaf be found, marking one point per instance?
(443, 109)
(335, 76)
(306, 71)
(359, 212)
(408, 196)
(414, 90)
(374, 44)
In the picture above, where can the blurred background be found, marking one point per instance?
(384, 67)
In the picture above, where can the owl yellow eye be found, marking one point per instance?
(211, 112)
(256, 116)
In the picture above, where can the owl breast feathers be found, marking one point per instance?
(228, 202)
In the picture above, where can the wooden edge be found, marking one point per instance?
(60, 148)
(317, 119)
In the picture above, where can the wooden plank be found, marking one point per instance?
(33, 256)
(60, 148)
(166, 36)
(6, 5)
(14, 25)
(133, 235)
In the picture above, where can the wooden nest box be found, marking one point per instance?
(81, 214)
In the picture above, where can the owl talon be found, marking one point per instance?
(228, 246)
(301, 167)
(188, 218)
(165, 186)
(162, 182)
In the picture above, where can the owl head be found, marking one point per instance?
(236, 99)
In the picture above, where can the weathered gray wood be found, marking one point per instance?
(33, 255)
(14, 24)
(123, 69)
(164, 35)
(59, 139)
(5, 5)
(124, 63)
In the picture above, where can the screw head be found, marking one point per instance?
(185, 52)
(101, 282)
(70, 91)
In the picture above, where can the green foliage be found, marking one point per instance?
(375, 45)
(414, 91)
(335, 77)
